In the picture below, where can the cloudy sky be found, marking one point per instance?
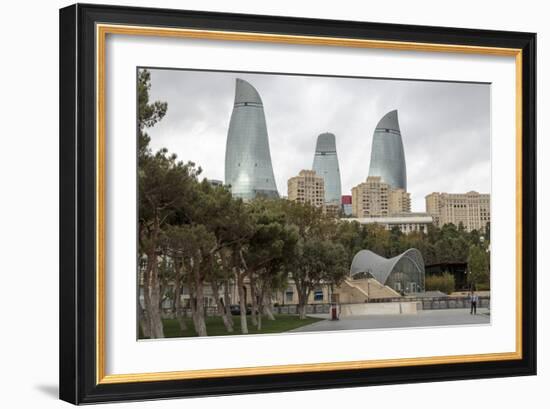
(445, 126)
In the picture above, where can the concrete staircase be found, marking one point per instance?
(359, 291)
(378, 290)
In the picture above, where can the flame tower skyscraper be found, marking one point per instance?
(325, 164)
(248, 168)
(387, 158)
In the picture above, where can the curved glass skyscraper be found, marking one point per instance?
(248, 166)
(387, 158)
(325, 164)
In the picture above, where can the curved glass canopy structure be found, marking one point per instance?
(404, 272)
(325, 164)
(387, 158)
(248, 168)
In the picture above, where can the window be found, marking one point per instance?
(318, 295)
(289, 296)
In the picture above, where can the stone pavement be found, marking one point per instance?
(427, 318)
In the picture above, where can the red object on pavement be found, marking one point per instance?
(333, 312)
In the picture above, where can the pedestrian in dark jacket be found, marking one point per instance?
(473, 303)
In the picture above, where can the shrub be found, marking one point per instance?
(444, 283)
(483, 287)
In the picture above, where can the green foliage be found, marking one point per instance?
(444, 283)
(483, 287)
(478, 266)
(448, 244)
(148, 113)
(166, 186)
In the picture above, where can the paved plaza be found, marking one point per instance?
(427, 318)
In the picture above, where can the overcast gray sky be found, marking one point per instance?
(445, 126)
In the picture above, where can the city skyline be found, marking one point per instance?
(437, 121)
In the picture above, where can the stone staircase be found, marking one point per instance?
(378, 290)
(359, 291)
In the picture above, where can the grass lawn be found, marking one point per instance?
(214, 326)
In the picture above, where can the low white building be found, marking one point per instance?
(406, 222)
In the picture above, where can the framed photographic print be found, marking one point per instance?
(258, 203)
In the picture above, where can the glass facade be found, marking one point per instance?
(387, 155)
(404, 272)
(248, 168)
(325, 164)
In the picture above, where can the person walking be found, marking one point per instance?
(473, 303)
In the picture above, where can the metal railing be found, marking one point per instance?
(437, 303)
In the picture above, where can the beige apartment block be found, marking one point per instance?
(472, 209)
(332, 209)
(375, 198)
(307, 187)
(399, 201)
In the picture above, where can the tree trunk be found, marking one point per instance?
(268, 311)
(142, 314)
(221, 307)
(242, 303)
(176, 288)
(227, 303)
(200, 324)
(151, 286)
(302, 303)
(144, 322)
(179, 313)
(162, 290)
(154, 312)
(253, 296)
(192, 301)
(260, 307)
(303, 312)
(259, 324)
(152, 292)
